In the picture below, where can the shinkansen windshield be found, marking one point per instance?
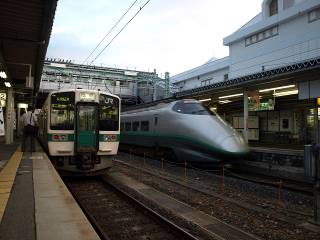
(109, 113)
(62, 111)
(191, 107)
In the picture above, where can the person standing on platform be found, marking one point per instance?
(30, 129)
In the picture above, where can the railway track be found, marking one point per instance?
(263, 218)
(287, 206)
(292, 185)
(117, 215)
(296, 186)
(281, 213)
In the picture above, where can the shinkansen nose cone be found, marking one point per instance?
(234, 144)
(208, 127)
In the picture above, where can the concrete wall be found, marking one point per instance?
(211, 72)
(297, 40)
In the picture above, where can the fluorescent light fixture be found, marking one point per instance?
(225, 101)
(7, 84)
(205, 100)
(230, 96)
(280, 94)
(3, 74)
(22, 105)
(276, 88)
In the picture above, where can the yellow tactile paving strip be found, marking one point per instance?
(7, 176)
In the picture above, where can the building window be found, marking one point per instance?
(287, 4)
(273, 7)
(206, 82)
(314, 15)
(146, 91)
(258, 37)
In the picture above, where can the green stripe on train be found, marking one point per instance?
(182, 138)
(60, 137)
(69, 137)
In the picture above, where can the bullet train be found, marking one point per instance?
(183, 130)
(80, 129)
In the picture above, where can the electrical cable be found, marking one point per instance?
(109, 31)
(119, 32)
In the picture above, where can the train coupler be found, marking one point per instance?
(86, 161)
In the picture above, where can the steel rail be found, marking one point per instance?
(163, 219)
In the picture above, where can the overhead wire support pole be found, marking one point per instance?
(109, 31)
(119, 32)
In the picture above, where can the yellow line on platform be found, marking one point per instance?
(7, 176)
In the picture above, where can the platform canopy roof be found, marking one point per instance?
(25, 28)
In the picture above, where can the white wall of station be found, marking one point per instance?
(290, 35)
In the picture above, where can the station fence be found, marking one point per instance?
(222, 172)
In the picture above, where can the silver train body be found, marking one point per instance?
(183, 130)
(80, 130)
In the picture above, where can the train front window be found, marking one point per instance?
(87, 117)
(109, 113)
(191, 107)
(62, 111)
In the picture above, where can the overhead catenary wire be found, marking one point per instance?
(119, 32)
(110, 31)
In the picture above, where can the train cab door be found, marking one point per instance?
(87, 128)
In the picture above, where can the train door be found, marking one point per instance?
(154, 129)
(155, 122)
(87, 128)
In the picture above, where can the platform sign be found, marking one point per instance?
(261, 105)
(318, 101)
(1, 121)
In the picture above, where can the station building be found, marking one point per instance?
(132, 85)
(269, 85)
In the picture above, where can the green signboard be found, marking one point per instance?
(260, 104)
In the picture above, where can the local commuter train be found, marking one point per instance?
(80, 130)
(183, 130)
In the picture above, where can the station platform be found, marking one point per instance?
(34, 202)
(276, 160)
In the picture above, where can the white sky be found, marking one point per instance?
(167, 35)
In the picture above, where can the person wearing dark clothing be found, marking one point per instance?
(29, 123)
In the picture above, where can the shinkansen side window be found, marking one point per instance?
(127, 126)
(135, 126)
(109, 113)
(191, 107)
(62, 111)
(122, 127)
(145, 126)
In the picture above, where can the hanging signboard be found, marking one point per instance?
(1, 121)
(261, 105)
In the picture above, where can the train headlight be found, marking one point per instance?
(59, 137)
(110, 138)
